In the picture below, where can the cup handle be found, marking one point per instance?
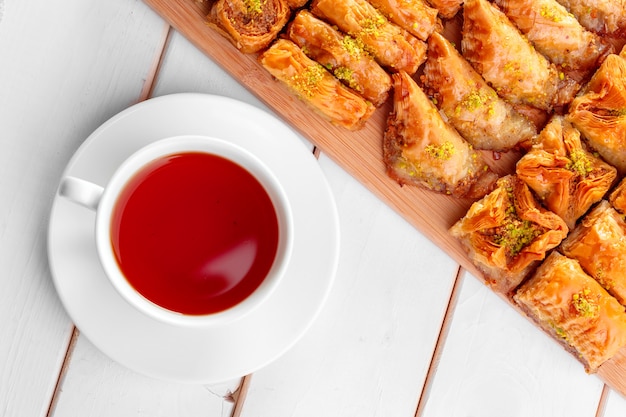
(82, 192)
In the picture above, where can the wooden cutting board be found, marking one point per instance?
(359, 153)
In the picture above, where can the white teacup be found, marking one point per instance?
(151, 226)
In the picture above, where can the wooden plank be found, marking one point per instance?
(58, 84)
(369, 351)
(493, 363)
(359, 153)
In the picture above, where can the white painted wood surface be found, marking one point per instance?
(66, 67)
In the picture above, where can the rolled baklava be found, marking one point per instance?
(416, 16)
(249, 25)
(312, 83)
(393, 47)
(573, 307)
(341, 54)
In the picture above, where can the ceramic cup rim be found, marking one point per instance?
(185, 144)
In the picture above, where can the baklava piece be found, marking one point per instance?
(599, 245)
(341, 54)
(447, 8)
(416, 16)
(567, 178)
(617, 198)
(606, 17)
(599, 112)
(508, 233)
(483, 118)
(508, 61)
(557, 34)
(393, 47)
(250, 25)
(312, 83)
(421, 149)
(572, 306)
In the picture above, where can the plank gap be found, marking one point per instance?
(441, 340)
(604, 396)
(64, 366)
(240, 395)
(155, 68)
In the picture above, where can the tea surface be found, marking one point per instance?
(194, 233)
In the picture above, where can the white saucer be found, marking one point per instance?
(209, 354)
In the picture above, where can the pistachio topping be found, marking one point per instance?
(372, 24)
(549, 13)
(253, 6)
(516, 234)
(584, 304)
(580, 163)
(307, 82)
(353, 46)
(442, 152)
(347, 75)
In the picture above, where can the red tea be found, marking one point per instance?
(194, 233)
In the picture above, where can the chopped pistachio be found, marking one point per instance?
(443, 151)
(584, 304)
(580, 163)
(307, 82)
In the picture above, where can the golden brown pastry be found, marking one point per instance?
(393, 47)
(567, 178)
(420, 149)
(296, 4)
(607, 17)
(416, 16)
(343, 55)
(617, 198)
(315, 85)
(507, 233)
(447, 8)
(471, 105)
(250, 25)
(599, 112)
(556, 33)
(573, 307)
(599, 245)
(508, 61)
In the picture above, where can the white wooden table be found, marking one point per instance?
(404, 332)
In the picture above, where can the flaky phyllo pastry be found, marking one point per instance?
(447, 8)
(567, 178)
(250, 25)
(343, 55)
(599, 245)
(599, 112)
(508, 61)
(573, 307)
(483, 118)
(556, 33)
(393, 47)
(420, 148)
(312, 83)
(507, 233)
(416, 16)
(617, 198)
(606, 17)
